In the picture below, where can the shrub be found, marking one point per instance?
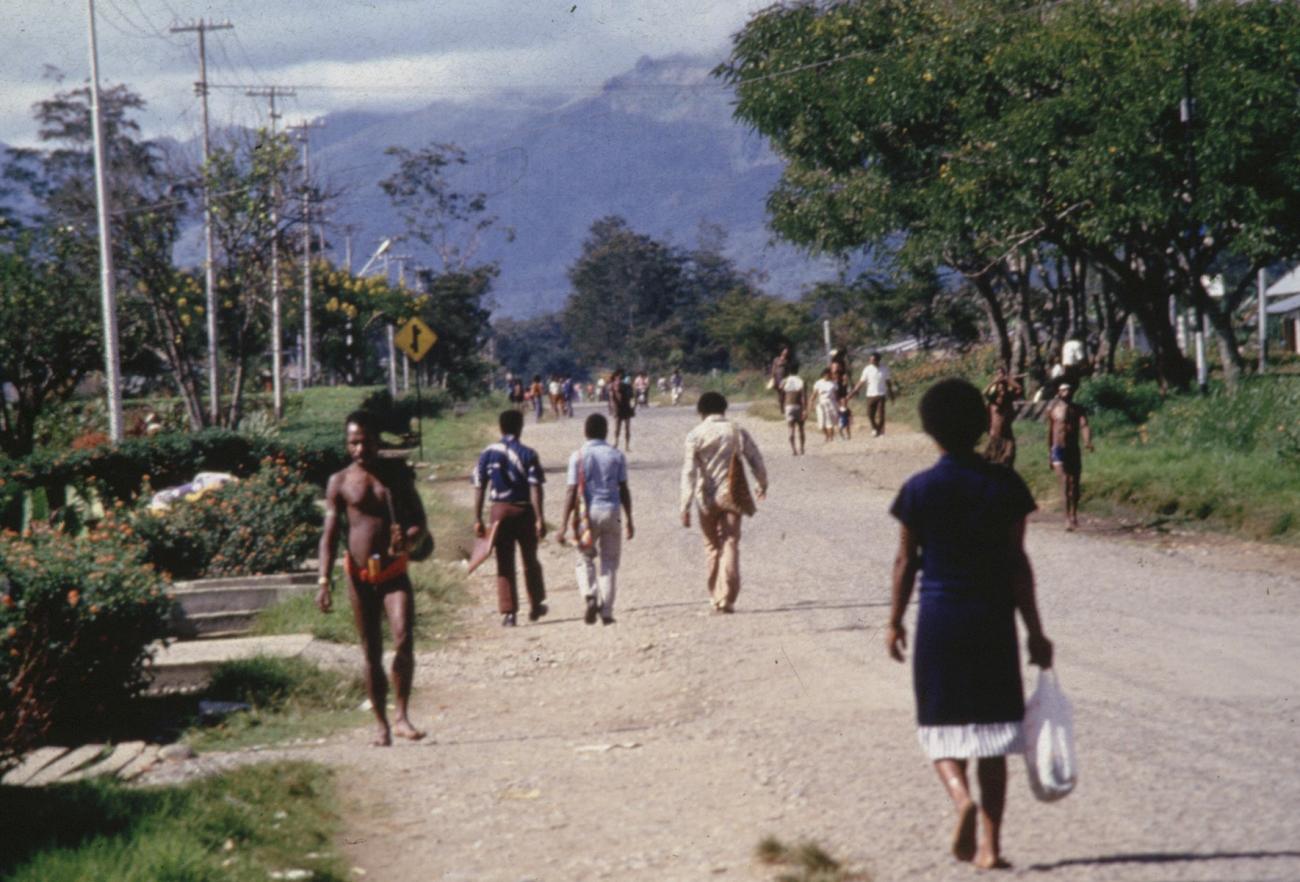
(1263, 416)
(267, 523)
(398, 416)
(117, 472)
(77, 615)
(1117, 396)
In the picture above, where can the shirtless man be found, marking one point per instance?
(1066, 422)
(371, 492)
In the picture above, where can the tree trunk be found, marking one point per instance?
(1229, 354)
(997, 318)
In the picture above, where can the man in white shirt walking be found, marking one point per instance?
(711, 448)
(599, 472)
(875, 377)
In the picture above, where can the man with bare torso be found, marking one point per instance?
(1067, 424)
(371, 492)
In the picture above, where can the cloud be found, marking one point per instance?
(371, 52)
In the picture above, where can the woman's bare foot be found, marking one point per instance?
(988, 861)
(382, 737)
(963, 837)
(403, 729)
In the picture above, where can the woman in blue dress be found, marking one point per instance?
(963, 529)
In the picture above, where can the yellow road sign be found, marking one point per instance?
(415, 339)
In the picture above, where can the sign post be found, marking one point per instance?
(416, 339)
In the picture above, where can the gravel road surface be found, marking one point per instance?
(666, 746)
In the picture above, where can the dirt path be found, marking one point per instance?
(666, 746)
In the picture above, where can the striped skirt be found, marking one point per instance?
(971, 740)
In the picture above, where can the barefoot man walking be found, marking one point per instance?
(372, 491)
(1067, 424)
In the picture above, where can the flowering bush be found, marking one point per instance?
(267, 523)
(77, 615)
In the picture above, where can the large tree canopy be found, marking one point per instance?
(996, 137)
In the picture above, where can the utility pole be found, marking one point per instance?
(1262, 283)
(392, 344)
(108, 294)
(401, 285)
(277, 343)
(305, 356)
(201, 27)
(1193, 233)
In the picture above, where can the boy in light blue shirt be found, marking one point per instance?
(601, 470)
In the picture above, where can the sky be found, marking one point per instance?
(343, 54)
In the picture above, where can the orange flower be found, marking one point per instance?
(94, 609)
(7, 601)
(74, 597)
(12, 632)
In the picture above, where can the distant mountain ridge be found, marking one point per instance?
(657, 145)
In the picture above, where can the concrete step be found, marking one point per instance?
(31, 764)
(69, 762)
(207, 625)
(207, 607)
(275, 580)
(188, 664)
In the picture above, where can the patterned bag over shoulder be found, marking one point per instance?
(734, 495)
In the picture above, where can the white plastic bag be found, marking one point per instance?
(1050, 758)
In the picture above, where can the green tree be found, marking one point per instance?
(752, 326)
(454, 305)
(627, 292)
(998, 136)
(248, 179)
(451, 222)
(148, 200)
(538, 345)
(49, 333)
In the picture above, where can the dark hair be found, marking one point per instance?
(952, 413)
(711, 403)
(511, 422)
(363, 419)
(596, 426)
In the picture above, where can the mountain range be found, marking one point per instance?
(656, 145)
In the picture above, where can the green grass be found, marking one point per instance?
(236, 827)
(805, 862)
(1224, 462)
(320, 410)
(290, 698)
(439, 591)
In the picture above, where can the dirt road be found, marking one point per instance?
(665, 746)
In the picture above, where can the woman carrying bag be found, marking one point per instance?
(963, 527)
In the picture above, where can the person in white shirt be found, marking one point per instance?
(712, 448)
(826, 399)
(599, 472)
(875, 378)
(795, 397)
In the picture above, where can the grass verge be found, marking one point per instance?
(289, 698)
(805, 862)
(238, 827)
(1229, 463)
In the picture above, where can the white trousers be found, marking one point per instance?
(598, 571)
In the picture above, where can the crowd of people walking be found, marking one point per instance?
(961, 535)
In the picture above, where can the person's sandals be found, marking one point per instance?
(537, 612)
(508, 620)
(592, 609)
